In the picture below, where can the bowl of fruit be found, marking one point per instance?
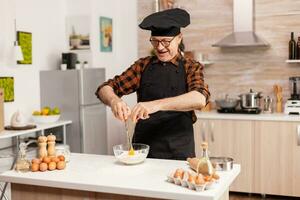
(46, 115)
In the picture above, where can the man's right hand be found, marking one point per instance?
(120, 109)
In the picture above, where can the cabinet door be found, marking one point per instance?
(277, 158)
(230, 138)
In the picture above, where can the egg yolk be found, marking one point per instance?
(131, 152)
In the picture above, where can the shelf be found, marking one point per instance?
(292, 61)
(40, 127)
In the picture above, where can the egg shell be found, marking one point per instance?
(43, 167)
(199, 180)
(36, 161)
(55, 159)
(52, 166)
(179, 173)
(35, 167)
(61, 158)
(61, 165)
(47, 159)
(184, 180)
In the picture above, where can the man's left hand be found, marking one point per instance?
(142, 110)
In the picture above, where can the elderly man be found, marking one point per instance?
(169, 87)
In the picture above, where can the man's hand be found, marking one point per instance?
(143, 109)
(120, 109)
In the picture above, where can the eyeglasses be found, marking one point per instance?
(165, 43)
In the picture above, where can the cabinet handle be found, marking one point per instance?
(212, 136)
(203, 131)
(298, 135)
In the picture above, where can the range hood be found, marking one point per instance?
(243, 28)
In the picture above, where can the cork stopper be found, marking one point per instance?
(204, 145)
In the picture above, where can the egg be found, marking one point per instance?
(55, 159)
(207, 178)
(43, 167)
(61, 165)
(52, 166)
(36, 161)
(179, 173)
(46, 159)
(191, 178)
(61, 157)
(200, 180)
(35, 167)
(215, 176)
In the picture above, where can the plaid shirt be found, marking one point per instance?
(129, 81)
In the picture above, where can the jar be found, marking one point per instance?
(64, 150)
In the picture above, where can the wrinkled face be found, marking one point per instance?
(165, 47)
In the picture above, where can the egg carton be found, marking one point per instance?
(183, 182)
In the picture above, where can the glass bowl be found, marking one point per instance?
(140, 153)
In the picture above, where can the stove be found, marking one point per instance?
(239, 111)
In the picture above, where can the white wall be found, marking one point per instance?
(124, 15)
(46, 20)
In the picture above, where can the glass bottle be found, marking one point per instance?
(22, 164)
(204, 165)
(292, 47)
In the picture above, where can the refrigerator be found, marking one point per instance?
(73, 91)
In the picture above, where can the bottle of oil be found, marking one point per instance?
(292, 47)
(22, 164)
(202, 165)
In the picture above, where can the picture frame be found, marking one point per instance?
(7, 83)
(25, 42)
(78, 32)
(106, 34)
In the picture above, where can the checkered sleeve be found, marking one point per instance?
(195, 79)
(129, 81)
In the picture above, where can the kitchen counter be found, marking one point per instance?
(103, 174)
(261, 116)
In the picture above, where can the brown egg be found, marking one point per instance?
(43, 167)
(52, 166)
(207, 178)
(200, 180)
(35, 167)
(179, 173)
(36, 161)
(61, 165)
(191, 178)
(216, 176)
(46, 159)
(55, 159)
(61, 157)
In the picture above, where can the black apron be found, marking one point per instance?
(169, 134)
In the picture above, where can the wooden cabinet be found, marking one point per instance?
(230, 138)
(277, 158)
(268, 151)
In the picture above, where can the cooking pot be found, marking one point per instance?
(227, 103)
(250, 100)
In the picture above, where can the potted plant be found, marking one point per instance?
(85, 64)
(77, 65)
